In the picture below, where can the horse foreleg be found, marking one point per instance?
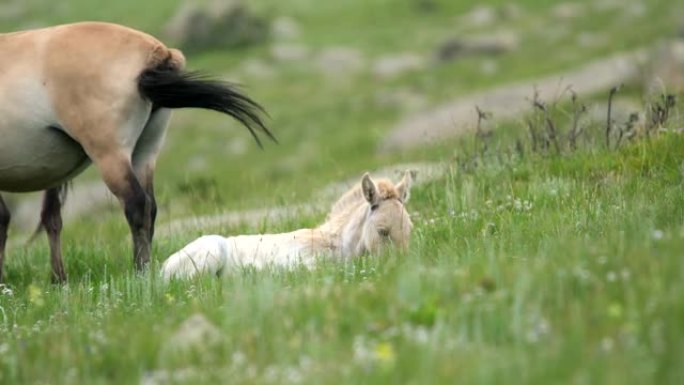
(4, 223)
(51, 219)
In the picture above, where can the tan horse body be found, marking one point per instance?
(96, 93)
(367, 218)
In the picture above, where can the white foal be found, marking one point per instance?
(367, 218)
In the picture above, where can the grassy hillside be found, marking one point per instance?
(538, 268)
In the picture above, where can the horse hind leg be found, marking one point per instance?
(109, 137)
(117, 172)
(4, 223)
(51, 220)
(145, 156)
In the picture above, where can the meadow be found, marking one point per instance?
(525, 266)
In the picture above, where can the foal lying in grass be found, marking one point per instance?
(365, 219)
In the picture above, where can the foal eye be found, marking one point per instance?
(383, 232)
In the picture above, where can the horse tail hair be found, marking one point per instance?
(167, 85)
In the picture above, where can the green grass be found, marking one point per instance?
(549, 270)
(546, 269)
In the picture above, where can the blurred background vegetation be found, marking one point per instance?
(337, 77)
(531, 261)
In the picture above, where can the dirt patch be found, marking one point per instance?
(506, 102)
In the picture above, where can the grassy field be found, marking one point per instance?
(537, 269)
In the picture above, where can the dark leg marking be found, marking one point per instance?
(138, 209)
(153, 209)
(51, 220)
(4, 223)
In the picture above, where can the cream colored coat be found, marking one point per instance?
(368, 218)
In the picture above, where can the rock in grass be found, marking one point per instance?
(665, 71)
(568, 10)
(337, 61)
(390, 67)
(285, 28)
(290, 52)
(196, 336)
(11, 10)
(486, 45)
(218, 24)
(480, 16)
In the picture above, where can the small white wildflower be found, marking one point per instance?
(252, 371)
(305, 363)
(543, 326)
(517, 204)
(539, 329)
(362, 354)
(238, 358)
(421, 335)
(5, 290)
(611, 276)
(658, 234)
(532, 336)
(271, 374)
(625, 274)
(607, 344)
(390, 332)
(582, 273)
(293, 375)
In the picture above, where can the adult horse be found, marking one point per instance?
(102, 93)
(367, 218)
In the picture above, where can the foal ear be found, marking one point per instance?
(404, 186)
(370, 190)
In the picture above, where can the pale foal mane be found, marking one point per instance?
(368, 216)
(352, 199)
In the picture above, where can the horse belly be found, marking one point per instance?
(37, 158)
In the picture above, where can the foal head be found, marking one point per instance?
(386, 222)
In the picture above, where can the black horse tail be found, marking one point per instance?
(165, 85)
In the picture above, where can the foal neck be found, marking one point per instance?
(345, 230)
